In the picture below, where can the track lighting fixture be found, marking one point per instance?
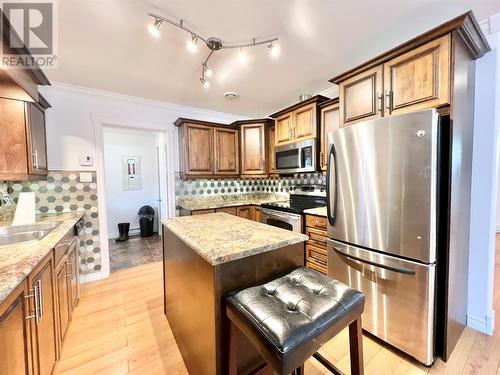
(212, 43)
(154, 28)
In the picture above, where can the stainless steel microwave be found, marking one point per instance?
(296, 157)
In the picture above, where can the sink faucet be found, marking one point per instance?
(7, 206)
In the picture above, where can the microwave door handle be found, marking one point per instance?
(391, 267)
(331, 172)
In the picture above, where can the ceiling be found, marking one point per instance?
(104, 44)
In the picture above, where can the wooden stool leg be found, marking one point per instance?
(233, 349)
(356, 347)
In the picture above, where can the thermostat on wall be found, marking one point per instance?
(86, 160)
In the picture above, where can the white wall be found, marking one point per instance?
(69, 126)
(122, 205)
(480, 313)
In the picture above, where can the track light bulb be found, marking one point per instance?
(207, 72)
(191, 44)
(205, 83)
(275, 50)
(154, 28)
(242, 56)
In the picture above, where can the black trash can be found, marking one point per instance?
(146, 220)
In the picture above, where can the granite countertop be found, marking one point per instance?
(18, 260)
(318, 211)
(220, 238)
(231, 200)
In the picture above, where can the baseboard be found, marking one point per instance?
(94, 276)
(485, 325)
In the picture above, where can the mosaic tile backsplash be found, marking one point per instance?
(212, 187)
(64, 192)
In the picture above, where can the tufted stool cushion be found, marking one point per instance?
(295, 313)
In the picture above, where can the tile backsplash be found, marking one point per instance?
(212, 187)
(63, 191)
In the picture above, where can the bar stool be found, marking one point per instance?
(288, 319)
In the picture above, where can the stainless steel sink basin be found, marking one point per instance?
(23, 233)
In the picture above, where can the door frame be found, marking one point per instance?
(167, 178)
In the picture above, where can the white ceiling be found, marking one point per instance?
(104, 44)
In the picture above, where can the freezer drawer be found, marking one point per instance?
(400, 301)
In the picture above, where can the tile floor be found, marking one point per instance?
(135, 251)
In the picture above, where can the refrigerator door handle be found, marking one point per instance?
(391, 266)
(331, 184)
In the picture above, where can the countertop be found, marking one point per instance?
(231, 200)
(220, 238)
(18, 260)
(318, 211)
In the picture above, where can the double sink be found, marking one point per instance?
(23, 233)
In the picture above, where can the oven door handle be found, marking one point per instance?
(394, 266)
(280, 215)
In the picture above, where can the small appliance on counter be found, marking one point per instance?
(289, 215)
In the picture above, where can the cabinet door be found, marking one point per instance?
(329, 122)
(74, 278)
(304, 123)
(360, 97)
(202, 212)
(15, 345)
(284, 129)
(13, 149)
(36, 140)
(228, 210)
(198, 151)
(420, 78)
(253, 149)
(270, 150)
(245, 212)
(63, 306)
(44, 331)
(257, 214)
(226, 151)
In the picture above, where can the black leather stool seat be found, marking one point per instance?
(294, 315)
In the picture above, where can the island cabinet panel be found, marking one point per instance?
(198, 149)
(253, 149)
(330, 121)
(284, 129)
(419, 79)
(226, 151)
(361, 97)
(15, 345)
(44, 330)
(271, 157)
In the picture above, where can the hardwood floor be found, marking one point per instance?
(119, 328)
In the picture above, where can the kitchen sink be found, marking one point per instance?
(23, 233)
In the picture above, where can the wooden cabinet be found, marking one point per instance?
(257, 213)
(271, 157)
(361, 97)
(15, 337)
(253, 149)
(202, 212)
(329, 122)
(420, 78)
(23, 150)
(246, 212)
(74, 278)
(226, 151)
(207, 149)
(63, 298)
(316, 245)
(228, 210)
(298, 122)
(44, 329)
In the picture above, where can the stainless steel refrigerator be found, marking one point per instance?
(382, 224)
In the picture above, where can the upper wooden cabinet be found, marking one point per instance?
(420, 78)
(413, 76)
(297, 122)
(271, 157)
(23, 148)
(253, 148)
(226, 148)
(207, 149)
(329, 121)
(361, 97)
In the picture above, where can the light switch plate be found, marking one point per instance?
(85, 177)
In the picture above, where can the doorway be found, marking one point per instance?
(132, 181)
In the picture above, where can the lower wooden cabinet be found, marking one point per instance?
(15, 337)
(250, 212)
(257, 213)
(44, 328)
(316, 246)
(245, 212)
(228, 210)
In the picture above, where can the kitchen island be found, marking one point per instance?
(207, 256)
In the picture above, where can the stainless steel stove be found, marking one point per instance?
(289, 215)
